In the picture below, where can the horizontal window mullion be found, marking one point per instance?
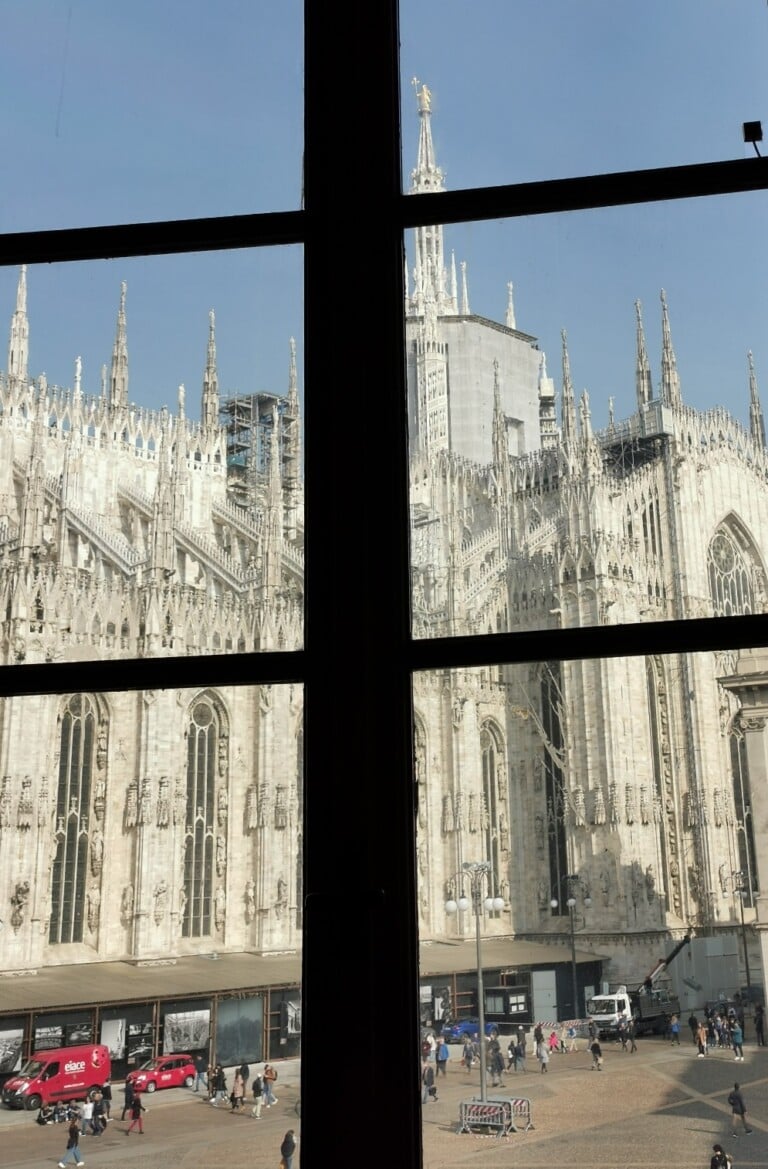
(606, 641)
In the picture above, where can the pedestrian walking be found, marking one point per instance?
(238, 1091)
(257, 1091)
(468, 1053)
(597, 1055)
(201, 1068)
(270, 1078)
(99, 1116)
(573, 1043)
(760, 1025)
(428, 1089)
(442, 1055)
(701, 1040)
(519, 1057)
(129, 1095)
(287, 1149)
(106, 1093)
(674, 1030)
(543, 1057)
(496, 1061)
(737, 1040)
(738, 1110)
(136, 1118)
(693, 1023)
(720, 1159)
(86, 1118)
(511, 1056)
(73, 1144)
(630, 1031)
(218, 1086)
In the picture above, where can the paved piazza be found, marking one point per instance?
(660, 1107)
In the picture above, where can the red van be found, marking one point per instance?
(66, 1073)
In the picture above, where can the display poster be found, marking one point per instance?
(113, 1036)
(186, 1031)
(11, 1045)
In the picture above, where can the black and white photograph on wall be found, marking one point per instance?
(292, 1017)
(47, 1038)
(139, 1043)
(113, 1037)
(11, 1043)
(186, 1031)
(76, 1033)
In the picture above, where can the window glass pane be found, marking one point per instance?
(583, 827)
(127, 113)
(586, 422)
(152, 852)
(541, 91)
(152, 497)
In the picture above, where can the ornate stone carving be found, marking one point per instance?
(221, 855)
(145, 802)
(179, 801)
(42, 803)
(281, 807)
(251, 808)
(222, 807)
(163, 803)
(598, 806)
(5, 802)
(132, 804)
(25, 810)
(751, 722)
(281, 902)
(224, 753)
(101, 746)
(629, 803)
(579, 807)
(645, 811)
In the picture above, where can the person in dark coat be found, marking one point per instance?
(288, 1148)
(428, 1088)
(720, 1159)
(73, 1144)
(106, 1093)
(136, 1118)
(738, 1110)
(760, 1025)
(129, 1095)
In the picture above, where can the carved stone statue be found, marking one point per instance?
(179, 802)
(221, 855)
(19, 902)
(145, 803)
(222, 807)
(5, 802)
(132, 804)
(94, 907)
(250, 901)
(161, 901)
(163, 803)
(220, 908)
(126, 905)
(97, 852)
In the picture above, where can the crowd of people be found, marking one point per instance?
(91, 1117)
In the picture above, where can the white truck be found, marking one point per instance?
(650, 1006)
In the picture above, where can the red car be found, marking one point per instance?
(167, 1071)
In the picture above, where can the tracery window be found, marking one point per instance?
(730, 581)
(554, 784)
(69, 874)
(201, 845)
(491, 805)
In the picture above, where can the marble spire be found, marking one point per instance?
(568, 420)
(670, 381)
(643, 379)
(756, 421)
(209, 411)
(118, 384)
(18, 346)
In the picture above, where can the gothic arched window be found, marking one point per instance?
(77, 743)
(202, 846)
(491, 808)
(730, 579)
(554, 783)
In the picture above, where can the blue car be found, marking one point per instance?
(462, 1029)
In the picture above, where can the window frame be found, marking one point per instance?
(360, 903)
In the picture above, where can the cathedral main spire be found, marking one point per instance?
(118, 384)
(670, 381)
(643, 379)
(756, 421)
(209, 411)
(18, 346)
(429, 262)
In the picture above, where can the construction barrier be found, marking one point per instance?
(499, 1114)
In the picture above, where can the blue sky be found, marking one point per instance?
(119, 118)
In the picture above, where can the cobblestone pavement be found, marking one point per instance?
(662, 1107)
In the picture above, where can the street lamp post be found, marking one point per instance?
(477, 874)
(740, 889)
(572, 880)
